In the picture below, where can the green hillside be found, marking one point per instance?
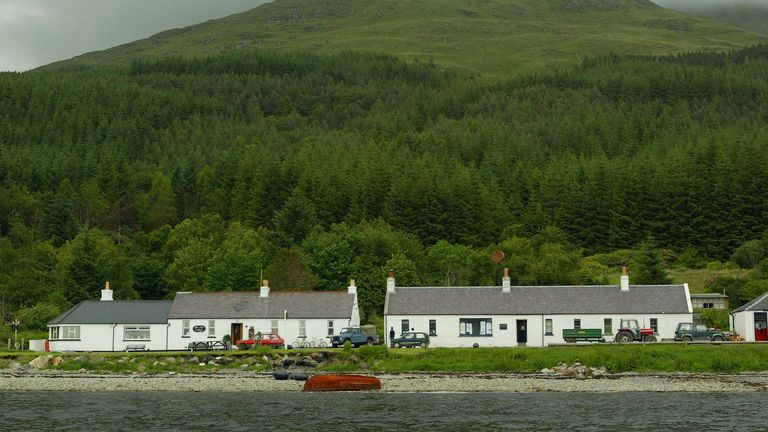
(753, 18)
(491, 37)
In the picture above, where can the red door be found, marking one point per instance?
(761, 326)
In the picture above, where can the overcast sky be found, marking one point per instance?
(695, 6)
(38, 32)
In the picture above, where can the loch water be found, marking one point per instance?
(327, 412)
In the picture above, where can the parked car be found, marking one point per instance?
(356, 336)
(267, 339)
(411, 339)
(691, 332)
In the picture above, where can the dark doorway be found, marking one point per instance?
(237, 332)
(522, 332)
(761, 326)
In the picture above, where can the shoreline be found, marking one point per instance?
(238, 381)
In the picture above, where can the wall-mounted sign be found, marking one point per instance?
(199, 328)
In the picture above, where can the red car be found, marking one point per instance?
(267, 339)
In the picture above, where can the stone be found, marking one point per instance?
(287, 361)
(155, 363)
(14, 365)
(317, 356)
(212, 363)
(170, 360)
(307, 361)
(201, 364)
(265, 359)
(172, 373)
(243, 366)
(194, 359)
(79, 359)
(56, 361)
(547, 371)
(40, 362)
(354, 359)
(82, 370)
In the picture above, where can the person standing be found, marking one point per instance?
(391, 337)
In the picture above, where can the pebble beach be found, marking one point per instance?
(239, 381)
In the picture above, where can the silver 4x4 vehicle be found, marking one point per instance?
(691, 332)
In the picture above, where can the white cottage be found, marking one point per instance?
(109, 325)
(531, 315)
(751, 320)
(196, 317)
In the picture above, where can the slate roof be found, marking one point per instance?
(708, 295)
(758, 304)
(244, 304)
(116, 312)
(536, 300)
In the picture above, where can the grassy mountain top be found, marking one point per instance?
(490, 37)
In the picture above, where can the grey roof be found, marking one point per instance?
(116, 312)
(758, 304)
(241, 304)
(535, 300)
(708, 295)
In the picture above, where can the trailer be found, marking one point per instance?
(586, 335)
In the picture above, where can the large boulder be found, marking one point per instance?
(287, 361)
(307, 361)
(40, 362)
(56, 361)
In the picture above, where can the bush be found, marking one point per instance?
(37, 316)
(749, 254)
(691, 258)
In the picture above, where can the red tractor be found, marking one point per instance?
(630, 331)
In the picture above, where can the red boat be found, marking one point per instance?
(342, 383)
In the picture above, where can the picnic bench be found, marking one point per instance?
(208, 345)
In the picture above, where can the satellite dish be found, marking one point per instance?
(497, 256)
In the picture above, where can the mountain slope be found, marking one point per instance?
(491, 37)
(752, 18)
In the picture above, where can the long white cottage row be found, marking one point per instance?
(118, 325)
(452, 316)
(531, 315)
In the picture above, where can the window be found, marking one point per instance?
(136, 333)
(475, 327)
(607, 326)
(432, 327)
(274, 327)
(330, 328)
(185, 328)
(503, 326)
(70, 332)
(404, 326)
(54, 333)
(212, 328)
(548, 327)
(577, 324)
(302, 328)
(655, 324)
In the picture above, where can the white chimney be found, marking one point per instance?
(352, 289)
(264, 291)
(106, 293)
(506, 286)
(391, 282)
(624, 279)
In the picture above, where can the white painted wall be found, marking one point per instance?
(447, 327)
(109, 337)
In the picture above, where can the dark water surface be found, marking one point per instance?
(325, 412)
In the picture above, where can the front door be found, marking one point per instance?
(761, 326)
(237, 332)
(522, 332)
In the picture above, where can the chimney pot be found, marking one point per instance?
(106, 293)
(624, 279)
(264, 290)
(506, 285)
(352, 289)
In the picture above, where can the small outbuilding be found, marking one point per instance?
(508, 316)
(751, 320)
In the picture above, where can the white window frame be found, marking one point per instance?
(136, 332)
(607, 326)
(432, 327)
(54, 333)
(654, 324)
(405, 326)
(185, 328)
(70, 332)
(330, 328)
(466, 326)
(302, 328)
(548, 327)
(275, 326)
(211, 328)
(577, 323)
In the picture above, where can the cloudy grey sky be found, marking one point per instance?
(38, 32)
(695, 6)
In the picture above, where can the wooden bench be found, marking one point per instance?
(136, 347)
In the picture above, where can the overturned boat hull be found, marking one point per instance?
(342, 383)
